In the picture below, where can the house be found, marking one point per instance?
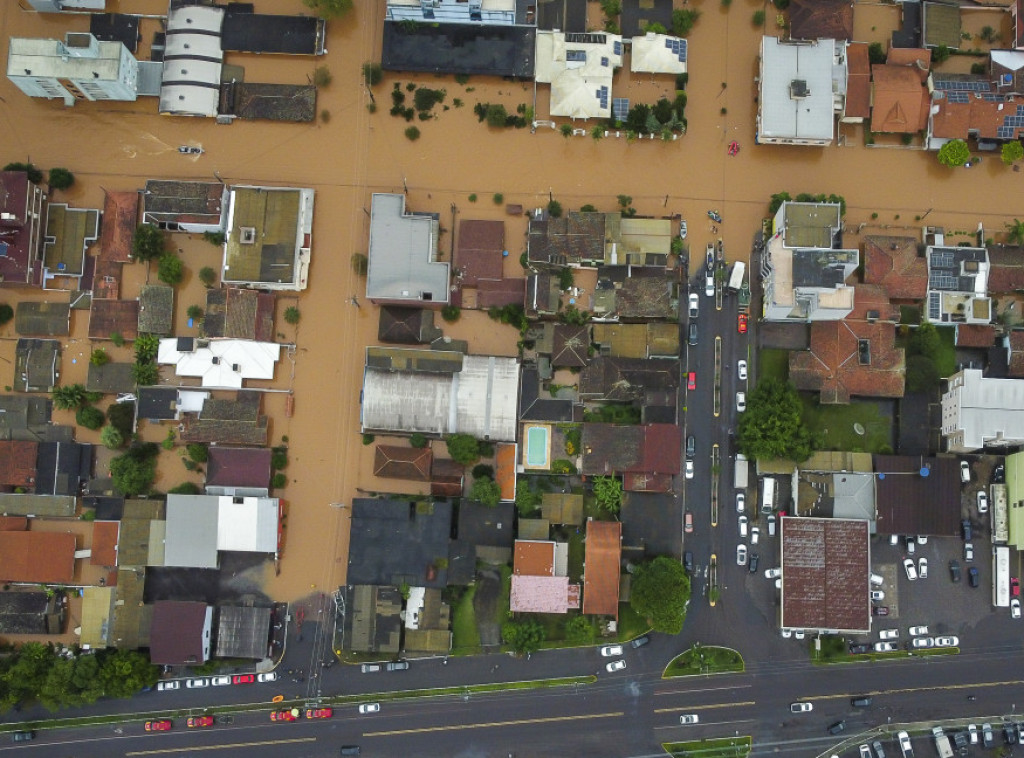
(628, 380)
(958, 285)
(654, 53)
(396, 462)
(180, 633)
(1006, 269)
(900, 102)
(373, 619)
(33, 319)
(396, 542)
(32, 613)
(242, 314)
(36, 365)
(439, 392)
(63, 468)
(1006, 69)
(228, 421)
(505, 456)
(105, 538)
(109, 317)
(269, 236)
(967, 106)
(837, 485)
(35, 505)
(1014, 344)
(156, 309)
(113, 378)
(200, 526)
(489, 530)
(650, 521)
(446, 478)
(230, 470)
(18, 465)
(821, 19)
(427, 622)
(980, 412)
(193, 60)
(647, 456)
(223, 364)
(167, 403)
(185, 206)
(462, 48)
(893, 262)
(804, 272)
(140, 540)
(941, 25)
(850, 358)
(120, 217)
(403, 266)
(857, 105)
(536, 404)
(579, 68)
(650, 340)
(22, 204)
(825, 567)
(243, 631)
(601, 569)
(69, 233)
(540, 581)
(407, 326)
(37, 557)
(543, 295)
(635, 293)
(571, 345)
(801, 87)
(918, 59)
(28, 418)
(478, 252)
(910, 503)
(246, 32)
(980, 336)
(481, 12)
(79, 68)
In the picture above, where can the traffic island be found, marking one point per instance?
(727, 747)
(701, 660)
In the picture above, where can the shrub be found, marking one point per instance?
(6, 313)
(451, 313)
(111, 437)
(463, 448)
(941, 54)
(498, 198)
(168, 443)
(562, 466)
(171, 269)
(207, 276)
(278, 481)
(683, 21)
(197, 452)
(472, 198)
(588, 208)
(185, 488)
(217, 239)
(418, 440)
(90, 417)
(99, 357)
(146, 347)
(322, 76)
(360, 263)
(485, 491)
(758, 18)
(412, 133)
(372, 73)
(121, 416)
(34, 175)
(566, 130)
(194, 312)
(279, 458)
(555, 209)
(496, 115)
(60, 179)
(145, 374)
(425, 98)
(368, 439)
(292, 315)
(482, 470)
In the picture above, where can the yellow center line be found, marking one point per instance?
(196, 749)
(704, 707)
(492, 724)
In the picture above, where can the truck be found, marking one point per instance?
(942, 743)
(739, 268)
(740, 472)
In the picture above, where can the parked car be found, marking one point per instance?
(982, 501)
(639, 641)
(319, 713)
(709, 286)
(972, 733)
(889, 634)
(350, 750)
(922, 642)
(798, 634)
(691, 381)
(879, 750)
(865, 751)
(1010, 734)
(610, 651)
(741, 401)
(954, 571)
(786, 633)
(908, 566)
(742, 520)
(859, 648)
(243, 679)
(690, 718)
(682, 229)
(753, 563)
(771, 524)
(1014, 587)
(877, 579)
(965, 528)
(197, 683)
(918, 631)
(968, 552)
(922, 568)
(614, 666)
(965, 472)
(370, 668)
(741, 370)
(288, 714)
(159, 725)
(885, 647)
(171, 685)
(199, 722)
(837, 728)
(397, 666)
(911, 546)
(691, 446)
(688, 471)
(220, 681)
(1015, 608)
(741, 555)
(801, 707)
(688, 523)
(694, 304)
(755, 535)
(709, 258)
(688, 561)
(369, 708)
(973, 578)
(692, 333)
(269, 676)
(950, 641)
(23, 736)
(905, 745)
(880, 610)
(773, 573)
(877, 596)
(922, 539)
(741, 323)
(741, 502)
(999, 474)
(988, 738)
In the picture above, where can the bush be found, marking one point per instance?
(485, 491)
(279, 458)
(472, 198)
(278, 481)
(498, 198)
(194, 312)
(60, 179)
(683, 21)
(145, 374)
(941, 54)
(99, 357)
(292, 315)
(978, 68)
(171, 269)
(554, 209)
(758, 18)
(217, 239)
(111, 437)
(197, 452)
(34, 175)
(496, 115)
(6, 313)
(368, 439)
(90, 417)
(418, 441)
(463, 448)
(322, 76)
(207, 276)
(185, 488)
(372, 73)
(481, 470)
(121, 416)
(360, 263)
(148, 242)
(412, 133)
(562, 466)
(451, 313)
(425, 98)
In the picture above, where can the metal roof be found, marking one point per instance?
(810, 116)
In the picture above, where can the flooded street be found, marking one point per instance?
(118, 146)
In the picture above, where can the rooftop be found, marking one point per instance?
(542, 594)
(894, 263)
(821, 19)
(69, 233)
(35, 319)
(238, 467)
(658, 53)
(900, 100)
(486, 49)
(579, 68)
(797, 91)
(398, 542)
(169, 201)
(109, 316)
(177, 633)
(398, 462)
(403, 256)
(156, 309)
(247, 32)
(120, 217)
(602, 568)
(243, 631)
(909, 503)
(478, 254)
(220, 363)
(269, 231)
(234, 313)
(37, 557)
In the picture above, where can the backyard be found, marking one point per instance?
(856, 427)
(773, 363)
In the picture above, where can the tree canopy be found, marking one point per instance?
(485, 491)
(1012, 152)
(954, 153)
(523, 636)
(69, 397)
(772, 426)
(60, 179)
(148, 242)
(608, 492)
(329, 9)
(463, 448)
(133, 472)
(171, 269)
(659, 592)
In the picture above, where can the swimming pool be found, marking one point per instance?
(538, 444)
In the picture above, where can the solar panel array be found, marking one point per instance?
(604, 61)
(958, 97)
(942, 259)
(617, 48)
(620, 108)
(963, 85)
(1011, 124)
(576, 55)
(602, 97)
(945, 282)
(992, 97)
(678, 48)
(934, 306)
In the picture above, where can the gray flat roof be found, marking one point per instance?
(782, 116)
(403, 251)
(191, 539)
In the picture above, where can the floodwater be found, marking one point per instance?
(118, 146)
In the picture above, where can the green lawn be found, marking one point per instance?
(465, 635)
(631, 624)
(945, 361)
(501, 612)
(833, 426)
(773, 364)
(704, 659)
(577, 551)
(723, 747)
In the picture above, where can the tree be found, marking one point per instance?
(523, 636)
(34, 175)
(941, 54)
(527, 501)
(171, 269)
(922, 375)
(217, 239)
(146, 347)
(485, 491)
(207, 276)
(608, 493)
(413, 132)
(292, 315)
(28, 672)
(148, 242)
(566, 130)
(372, 74)
(463, 448)
(554, 209)
(954, 153)
(278, 481)
(659, 592)
(133, 472)
(69, 398)
(198, 452)
(925, 340)
(194, 312)
(124, 672)
(758, 18)
(185, 488)
(121, 416)
(111, 437)
(683, 21)
(1015, 232)
(322, 76)
(776, 202)
(279, 458)
(6, 313)
(579, 630)
(145, 374)
(418, 440)
(329, 9)
(495, 115)
(99, 357)
(876, 53)
(1012, 152)
(90, 417)
(772, 426)
(451, 313)
(60, 179)
(360, 263)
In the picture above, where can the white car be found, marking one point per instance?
(786, 633)
(743, 526)
(1015, 608)
(741, 402)
(615, 666)
(798, 633)
(220, 681)
(877, 596)
(947, 641)
(682, 229)
(889, 634)
(919, 642)
(911, 546)
(694, 304)
(906, 746)
(885, 647)
(968, 552)
(369, 708)
(741, 369)
(709, 286)
(965, 472)
(908, 565)
(690, 718)
(773, 573)
(689, 469)
(164, 686)
(918, 631)
(741, 502)
(193, 684)
(741, 555)
(755, 535)
(801, 707)
(877, 579)
(270, 676)
(922, 539)
(610, 651)
(894, 539)
(982, 501)
(922, 567)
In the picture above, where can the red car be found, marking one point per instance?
(163, 725)
(199, 722)
(691, 381)
(741, 323)
(243, 679)
(319, 713)
(290, 715)
(689, 523)
(1015, 586)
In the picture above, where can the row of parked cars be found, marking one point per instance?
(216, 681)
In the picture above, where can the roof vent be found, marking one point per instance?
(798, 89)
(247, 235)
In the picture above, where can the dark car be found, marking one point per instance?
(972, 576)
(999, 474)
(693, 333)
(640, 641)
(880, 610)
(397, 666)
(965, 527)
(23, 736)
(753, 563)
(1010, 734)
(837, 728)
(954, 571)
(691, 446)
(860, 702)
(859, 648)
(688, 561)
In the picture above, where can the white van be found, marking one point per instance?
(767, 495)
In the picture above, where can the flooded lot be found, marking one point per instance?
(118, 146)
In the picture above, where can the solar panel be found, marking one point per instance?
(1020, 110)
(668, 42)
(958, 97)
(942, 259)
(934, 306)
(682, 50)
(1004, 132)
(576, 55)
(945, 282)
(620, 108)
(604, 61)
(617, 48)
(992, 97)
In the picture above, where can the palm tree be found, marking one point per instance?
(1015, 232)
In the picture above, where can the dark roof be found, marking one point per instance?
(37, 364)
(909, 503)
(30, 613)
(637, 14)
(243, 631)
(183, 202)
(246, 32)
(491, 527)
(564, 15)
(543, 294)
(406, 325)
(537, 405)
(111, 378)
(825, 568)
(602, 568)
(21, 245)
(446, 477)
(462, 560)
(1015, 349)
(647, 293)
(478, 251)
(176, 635)
(235, 313)
(228, 421)
(399, 542)
(459, 49)
(25, 418)
(652, 521)
(63, 468)
(399, 462)
(571, 344)
(373, 619)
(821, 19)
(34, 319)
(499, 293)
(18, 464)
(648, 449)
(627, 379)
(294, 103)
(106, 508)
(572, 239)
(157, 403)
(1006, 268)
(115, 27)
(109, 316)
(238, 467)
(909, 33)
(156, 309)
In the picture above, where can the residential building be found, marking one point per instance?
(941, 25)
(490, 531)
(18, 465)
(1006, 69)
(635, 293)
(579, 68)
(900, 102)
(486, 49)
(200, 526)
(1013, 342)
(243, 631)
(1015, 499)
(36, 365)
(24, 417)
(107, 317)
(32, 613)
(802, 85)
(238, 471)
(223, 364)
(647, 455)
(1006, 269)
(804, 271)
(427, 622)
(895, 264)
(37, 557)
(156, 404)
(540, 580)
(857, 105)
(917, 495)
(967, 106)
(79, 68)
(602, 568)
(979, 412)
(193, 60)
(958, 285)
(244, 314)
(156, 309)
(180, 633)
(397, 542)
(246, 32)
(42, 319)
(373, 619)
(180, 206)
(403, 266)
(821, 19)
(229, 421)
(407, 326)
(398, 462)
(650, 340)
(655, 53)
(69, 233)
(22, 205)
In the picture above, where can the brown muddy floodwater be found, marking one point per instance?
(118, 146)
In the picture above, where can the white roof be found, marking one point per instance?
(198, 526)
(578, 71)
(487, 390)
(45, 58)
(1010, 59)
(247, 524)
(785, 117)
(658, 54)
(986, 409)
(192, 61)
(222, 363)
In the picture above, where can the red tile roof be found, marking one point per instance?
(104, 543)
(505, 454)
(662, 448)
(499, 293)
(955, 120)
(602, 568)
(176, 636)
(238, 467)
(900, 100)
(975, 335)
(534, 558)
(858, 81)
(13, 523)
(647, 483)
(821, 19)
(446, 477)
(398, 462)
(894, 263)
(1006, 269)
(18, 464)
(37, 557)
(871, 302)
(120, 217)
(478, 251)
(916, 58)
(109, 316)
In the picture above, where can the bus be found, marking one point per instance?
(767, 495)
(1001, 578)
